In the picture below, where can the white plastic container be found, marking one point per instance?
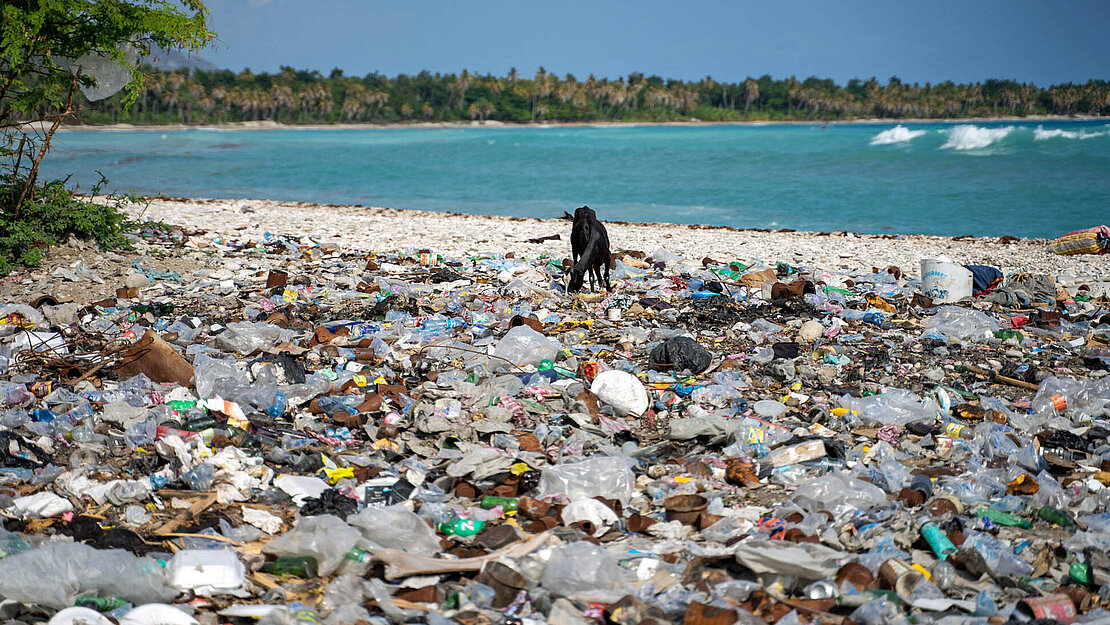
(206, 571)
(945, 282)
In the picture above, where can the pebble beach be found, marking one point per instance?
(393, 230)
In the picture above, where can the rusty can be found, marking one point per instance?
(855, 573)
(276, 278)
(892, 570)
(684, 508)
(1058, 607)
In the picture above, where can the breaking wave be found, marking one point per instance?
(971, 137)
(898, 134)
(1041, 134)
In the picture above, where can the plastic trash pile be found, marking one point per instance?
(307, 434)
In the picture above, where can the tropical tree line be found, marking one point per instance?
(308, 97)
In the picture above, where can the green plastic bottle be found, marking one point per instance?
(299, 566)
(199, 424)
(355, 562)
(508, 504)
(101, 604)
(1080, 573)
(1004, 518)
(462, 527)
(181, 406)
(1055, 515)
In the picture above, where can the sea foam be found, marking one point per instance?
(971, 137)
(898, 134)
(1041, 134)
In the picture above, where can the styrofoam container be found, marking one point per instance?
(945, 282)
(206, 571)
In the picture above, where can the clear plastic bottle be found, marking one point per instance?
(944, 574)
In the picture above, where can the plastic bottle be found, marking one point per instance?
(199, 424)
(277, 409)
(937, 539)
(462, 527)
(508, 504)
(943, 574)
(101, 604)
(874, 318)
(1003, 518)
(298, 566)
(355, 562)
(1055, 515)
(955, 429)
(1080, 572)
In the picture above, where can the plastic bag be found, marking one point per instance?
(960, 323)
(600, 476)
(837, 492)
(55, 575)
(683, 353)
(802, 560)
(580, 568)
(524, 346)
(1079, 397)
(395, 527)
(893, 405)
(325, 537)
(247, 337)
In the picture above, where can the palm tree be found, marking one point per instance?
(527, 91)
(171, 99)
(206, 104)
(195, 92)
(283, 98)
(156, 85)
(751, 94)
(460, 86)
(376, 99)
(352, 109)
(690, 100)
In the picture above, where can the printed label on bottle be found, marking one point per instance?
(1059, 402)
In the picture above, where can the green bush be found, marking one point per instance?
(48, 217)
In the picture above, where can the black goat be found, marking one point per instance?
(589, 246)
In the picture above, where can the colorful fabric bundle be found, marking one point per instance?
(984, 278)
(1090, 241)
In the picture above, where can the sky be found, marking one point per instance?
(960, 40)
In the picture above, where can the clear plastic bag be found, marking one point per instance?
(325, 537)
(961, 323)
(524, 346)
(55, 575)
(580, 567)
(838, 492)
(395, 527)
(247, 337)
(893, 406)
(600, 476)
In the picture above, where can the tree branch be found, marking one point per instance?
(30, 182)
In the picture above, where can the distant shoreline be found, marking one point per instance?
(271, 125)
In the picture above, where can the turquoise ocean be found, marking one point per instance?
(1027, 179)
